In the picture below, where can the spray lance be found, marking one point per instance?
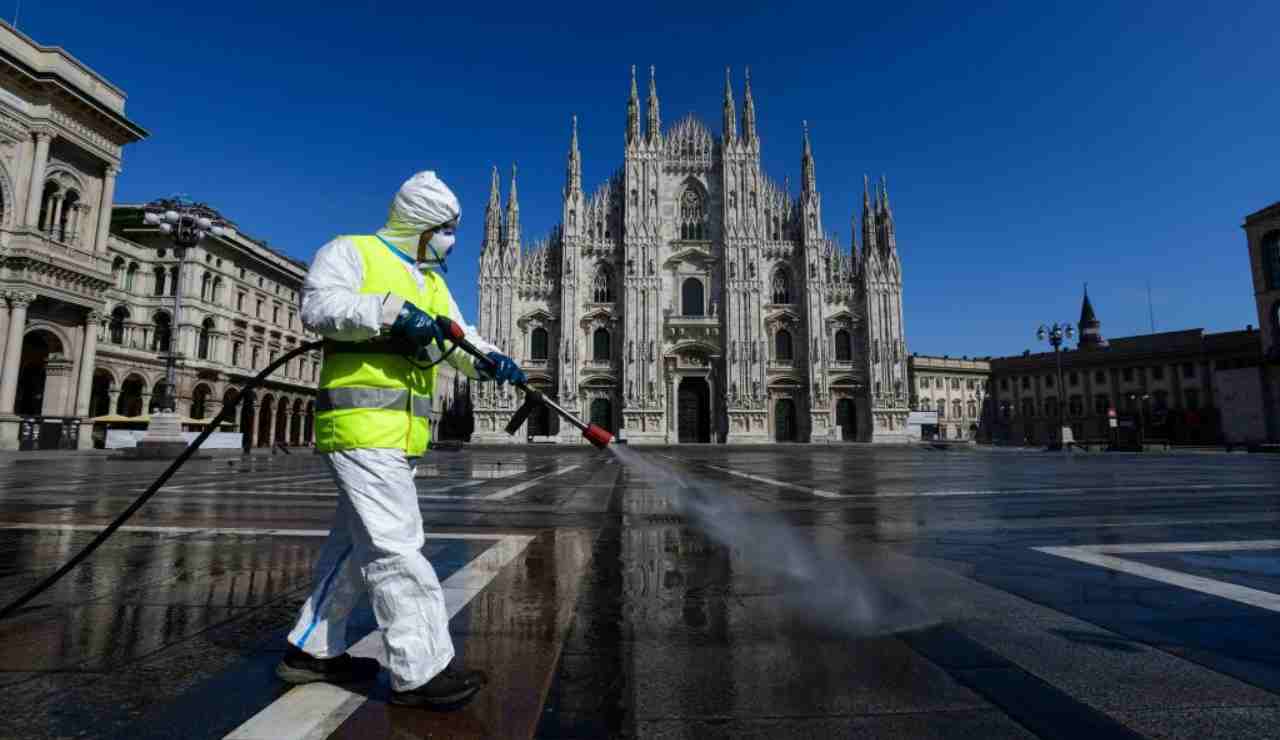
(593, 433)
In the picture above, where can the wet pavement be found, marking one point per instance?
(706, 592)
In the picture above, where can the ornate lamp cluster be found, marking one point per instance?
(1055, 334)
(184, 221)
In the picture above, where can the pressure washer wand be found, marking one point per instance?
(593, 433)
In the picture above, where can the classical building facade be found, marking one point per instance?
(690, 298)
(63, 130)
(1167, 386)
(87, 289)
(239, 313)
(1262, 230)
(956, 388)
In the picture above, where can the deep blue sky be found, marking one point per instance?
(1029, 146)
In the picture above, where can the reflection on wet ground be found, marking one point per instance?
(690, 592)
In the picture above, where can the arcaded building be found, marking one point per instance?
(63, 131)
(692, 298)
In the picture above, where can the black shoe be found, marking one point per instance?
(299, 667)
(450, 689)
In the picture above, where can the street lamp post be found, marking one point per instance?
(186, 223)
(1055, 335)
(982, 410)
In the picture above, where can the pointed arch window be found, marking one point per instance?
(538, 344)
(602, 286)
(693, 215)
(692, 301)
(131, 277)
(159, 280)
(117, 269)
(783, 351)
(781, 285)
(844, 346)
(600, 346)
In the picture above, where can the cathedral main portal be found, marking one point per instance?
(694, 411)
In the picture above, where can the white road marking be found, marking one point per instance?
(1082, 489)
(780, 484)
(1098, 555)
(510, 491)
(315, 710)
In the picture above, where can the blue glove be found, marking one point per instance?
(504, 370)
(413, 323)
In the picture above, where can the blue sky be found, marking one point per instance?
(1029, 146)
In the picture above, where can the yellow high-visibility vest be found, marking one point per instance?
(371, 398)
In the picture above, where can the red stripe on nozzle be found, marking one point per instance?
(597, 436)
(452, 330)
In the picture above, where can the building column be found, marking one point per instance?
(88, 358)
(113, 400)
(4, 321)
(35, 187)
(146, 402)
(13, 350)
(56, 218)
(104, 209)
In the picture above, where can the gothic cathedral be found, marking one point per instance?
(692, 299)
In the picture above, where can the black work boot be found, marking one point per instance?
(299, 667)
(450, 689)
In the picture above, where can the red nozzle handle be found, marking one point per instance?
(452, 330)
(597, 435)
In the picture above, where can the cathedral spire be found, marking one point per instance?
(492, 220)
(513, 219)
(730, 113)
(633, 111)
(655, 119)
(574, 173)
(808, 183)
(1090, 328)
(868, 220)
(748, 113)
(889, 241)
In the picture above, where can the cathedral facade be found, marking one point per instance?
(690, 298)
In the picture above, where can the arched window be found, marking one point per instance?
(955, 409)
(205, 329)
(161, 333)
(159, 280)
(117, 271)
(600, 349)
(118, 317)
(206, 285)
(781, 286)
(199, 401)
(693, 215)
(691, 298)
(924, 405)
(48, 201)
(1271, 259)
(131, 277)
(973, 409)
(1028, 407)
(173, 281)
(215, 293)
(844, 346)
(942, 409)
(538, 344)
(782, 350)
(602, 286)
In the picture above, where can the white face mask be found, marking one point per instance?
(441, 244)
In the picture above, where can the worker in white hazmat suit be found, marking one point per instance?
(374, 299)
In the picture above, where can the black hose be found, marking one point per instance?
(186, 454)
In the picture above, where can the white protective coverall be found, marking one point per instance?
(376, 539)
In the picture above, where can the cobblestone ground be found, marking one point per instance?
(700, 592)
